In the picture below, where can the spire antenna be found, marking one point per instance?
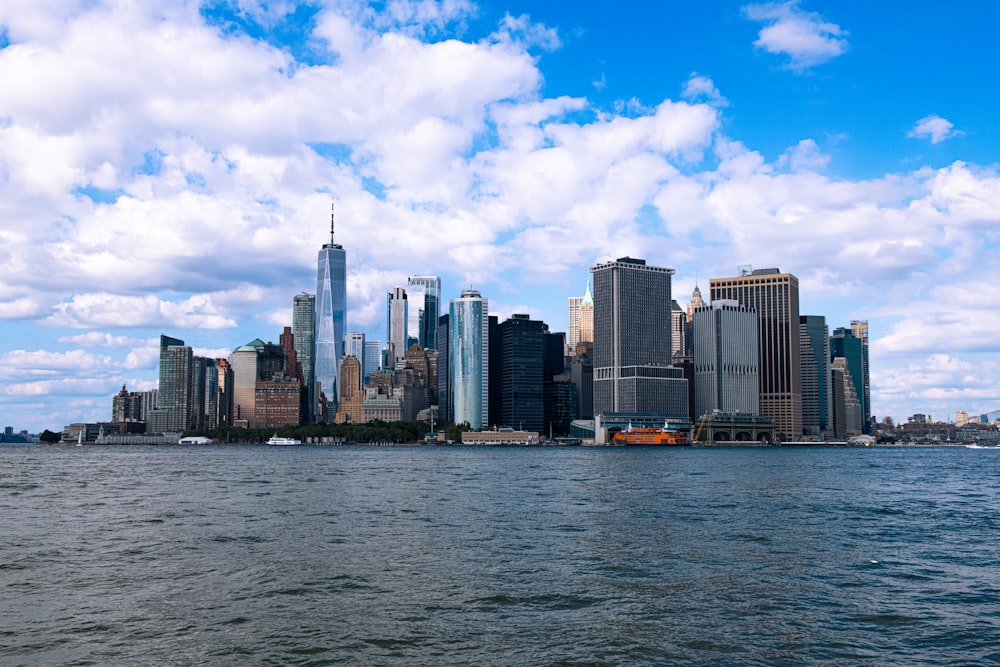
(332, 203)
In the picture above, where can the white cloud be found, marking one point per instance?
(804, 37)
(98, 339)
(935, 128)
(700, 87)
(103, 309)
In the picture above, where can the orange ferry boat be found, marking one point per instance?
(649, 436)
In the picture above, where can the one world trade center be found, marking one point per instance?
(331, 310)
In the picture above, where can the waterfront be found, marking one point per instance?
(434, 555)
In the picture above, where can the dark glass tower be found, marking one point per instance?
(331, 315)
(304, 331)
(522, 364)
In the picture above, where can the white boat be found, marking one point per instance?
(275, 440)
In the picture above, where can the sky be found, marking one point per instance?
(167, 166)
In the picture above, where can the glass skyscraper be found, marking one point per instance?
(304, 331)
(428, 303)
(331, 315)
(468, 359)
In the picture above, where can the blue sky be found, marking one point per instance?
(167, 167)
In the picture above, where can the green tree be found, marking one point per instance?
(49, 437)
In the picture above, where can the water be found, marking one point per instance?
(498, 556)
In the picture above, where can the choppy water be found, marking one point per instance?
(561, 556)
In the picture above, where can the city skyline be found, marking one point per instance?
(503, 146)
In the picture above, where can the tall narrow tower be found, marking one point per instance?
(396, 320)
(860, 329)
(468, 359)
(331, 315)
(304, 330)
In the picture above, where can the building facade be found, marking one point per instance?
(775, 298)
(726, 359)
(330, 320)
(429, 308)
(175, 399)
(468, 359)
(397, 327)
(304, 330)
(817, 408)
(632, 341)
(522, 376)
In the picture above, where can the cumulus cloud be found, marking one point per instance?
(804, 37)
(935, 128)
(701, 88)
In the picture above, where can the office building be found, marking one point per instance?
(817, 409)
(428, 307)
(632, 341)
(355, 347)
(330, 321)
(304, 332)
(860, 329)
(396, 314)
(372, 361)
(775, 298)
(175, 400)
(678, 326)
(580, 320)
(522, 377)
(468, 359)
(844, 344)
(444, 397)
(726, 359)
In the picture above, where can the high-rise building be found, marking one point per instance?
(573, 323)
(726, 359)
(304, 330)
(428, 306)
(373, 358)
(775, 298)
(355, 347)
(331, 316)
(396, 315)
(444, 395)
(580, 321)
(468, 359)
(255, 362)
(817, 409)
(678, 322)
(522, 365)
(860, 329)
(632, 341)
(847, 406)
(175, 401)
(844, 344)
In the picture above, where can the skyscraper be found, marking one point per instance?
(468, 359)
(817, 409)
(175, 400)
(860, 329)
(429, 306)
(844, 344)
(726, 359)
(580, 320)
(522, 366)
(355, 347)
(373, 358)
(632, 341)
(775, 297)
(573, 323)
(396, 314)
(331, 315)
(304, 330)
